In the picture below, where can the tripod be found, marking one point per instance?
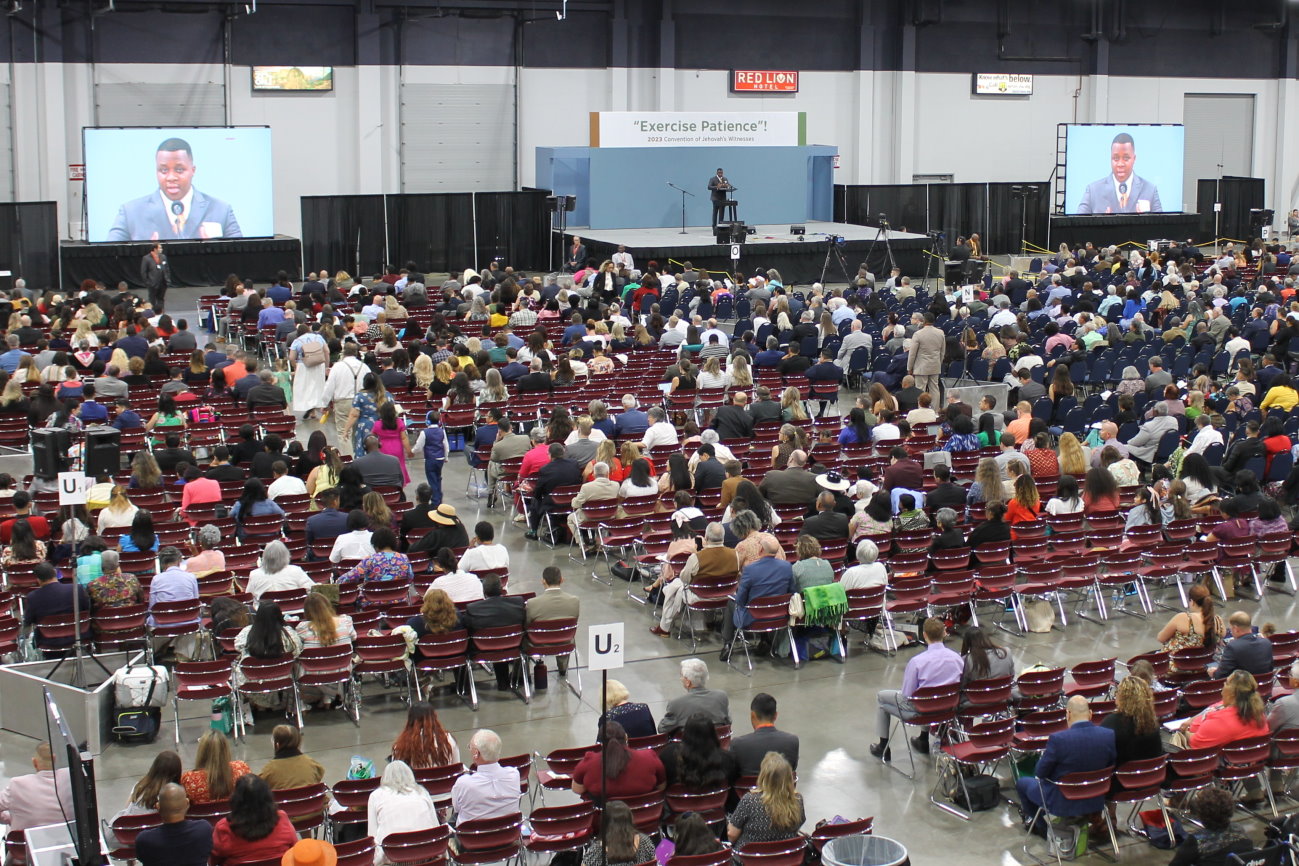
(833, 253)
(882, 233)
(79, 653)
(937, 251)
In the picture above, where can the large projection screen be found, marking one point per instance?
(1124, 168)
(173, 183)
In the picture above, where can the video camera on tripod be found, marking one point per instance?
(884, 220)
(838, 240)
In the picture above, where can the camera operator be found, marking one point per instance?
(961, 251)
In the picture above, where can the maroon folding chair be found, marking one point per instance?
(554, 638)
(1087, 785)
(487, 840)
(448, 651)
(204, 681)
(419, 847)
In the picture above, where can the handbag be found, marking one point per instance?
(795, 608)
(137, 724)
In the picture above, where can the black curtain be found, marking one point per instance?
(956, 209)
(344, 231)
(434, 230)
(951, 208)
(193, 262)
(1238, 196)
(1002, 234)
(513, 226)
(903, 204)
(29, 242)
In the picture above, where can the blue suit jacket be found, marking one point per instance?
(1249, 652)
(139, 219)
(1100, 196)
(1084, 746)
(770, 575)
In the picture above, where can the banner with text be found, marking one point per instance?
(698, 128)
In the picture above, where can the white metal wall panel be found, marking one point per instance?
(6, 146)
(1219, 130)
(142, 104)
(457, 137)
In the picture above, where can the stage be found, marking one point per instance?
(193, 263)
(799, 260)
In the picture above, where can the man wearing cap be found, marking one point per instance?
(447, 531)
(827, 524)
(180, 840)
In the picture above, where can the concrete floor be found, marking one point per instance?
(831, 706)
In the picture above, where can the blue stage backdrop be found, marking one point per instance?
(627, 187)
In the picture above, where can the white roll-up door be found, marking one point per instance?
(457, 137)
(1219, 130)
(178, 104)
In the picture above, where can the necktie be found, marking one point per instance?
(1123, 195)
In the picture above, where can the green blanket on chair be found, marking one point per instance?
(824, 605)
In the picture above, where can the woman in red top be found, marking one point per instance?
(1101, 491)
(254, 829)
(627, 772)
(1025, 505)
(1239, 716)
(214, 774)
(1042, 459)
(1274, 439)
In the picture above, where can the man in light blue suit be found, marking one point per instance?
(1121, 191)
(177, 210)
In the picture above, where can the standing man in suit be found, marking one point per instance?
(1083, 746)
(925, 360)
(718, 188)
(1121, 191)
(155, 273)
(176, 210)
(496, 610)
(698, 698)
(750, 749)
(1246, 651)
(553, 603)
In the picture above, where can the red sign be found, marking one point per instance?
(763, 81)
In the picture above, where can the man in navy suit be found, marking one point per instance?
(1083, 746)
(1246, 651)
(632, 421)
(1121, 191)
(176, 210)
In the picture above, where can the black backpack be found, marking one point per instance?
(984, 792)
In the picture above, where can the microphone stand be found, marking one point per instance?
(684, 193)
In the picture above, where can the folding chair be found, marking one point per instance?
(980, 747)
(1073, 787)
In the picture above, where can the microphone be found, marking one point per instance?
(177, 208)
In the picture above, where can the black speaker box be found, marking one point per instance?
(103, 452)
(50, 451)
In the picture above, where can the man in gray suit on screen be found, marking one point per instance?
(176, 210)
(1121, 191)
